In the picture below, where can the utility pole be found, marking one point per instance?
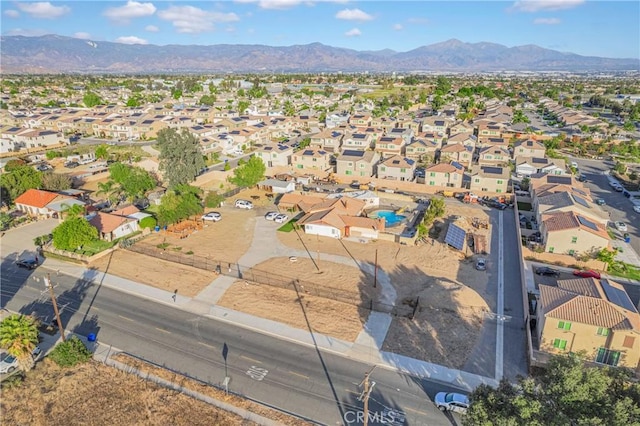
(364, 396)
(47, 282)
(375, 271)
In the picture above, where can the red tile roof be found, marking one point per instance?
(36, 198)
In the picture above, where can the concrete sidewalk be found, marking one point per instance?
(367, 347)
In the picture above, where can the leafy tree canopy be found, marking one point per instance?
(90, 100)
(567, 393)
(19, 335)
(133, 181)
(102, 152)
(20, 179)
(180, 156)
(179, 204)
(74, 232)
(55, 181)
(250, 173)
(14, 164)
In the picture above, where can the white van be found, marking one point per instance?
(244, 204)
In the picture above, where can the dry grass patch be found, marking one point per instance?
(94, 394)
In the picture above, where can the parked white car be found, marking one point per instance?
(621, 226)
(281, 218)
(448, 401)
(271, 215)
(212, 216)
(8, 363)
(244, 204)
(636, 209)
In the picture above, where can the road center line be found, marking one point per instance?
(500, 317)
(415, 411)
(163, 330)
(298, 374)
(250, 359)
(207, 345)
(127, 318)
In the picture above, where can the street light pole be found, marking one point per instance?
(47, 282)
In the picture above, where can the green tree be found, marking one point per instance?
(110, 189)
(55, 181)
(5, 220)
(524, 183)
(20, 180)
(437, 206)
(90, 100)
(70, 352)
(180, 156)
(74, 232)
(566, 393)
(208, 100)
(19, 335)
(243, 105)
(620, 168)
(133, 181)
(148, 222)
(14, 165)
(213, 199)
(180, 203)
(249, 174)
(102, 152)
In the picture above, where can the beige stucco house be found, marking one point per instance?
(396, 168)
(571, 233)
(275, 154)
(311, 158)
(445, 175)
(357, 163)
(489, 179)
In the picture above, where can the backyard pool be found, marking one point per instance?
(390, 217)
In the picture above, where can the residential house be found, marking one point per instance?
(461, 128)
(492, 156)
(465, 139)
(456, 152)
(111, 226)
(528, 148)
(34, 138)
(560, 202)
(569, 232)
(435, 124)
(360, 120)
(357, 141)
(336, 120)
(422, 149)
(384, 123)
(397, 168)
(275, 154)
(277, 186)
(493, 143)
(357, 163)
(36, 202)
(592, 316)
(388, 146)
(405, 133)
(328, 140)
(444, 175)
(489, 179)
(489, 130)
(527, 166)
(312, 158)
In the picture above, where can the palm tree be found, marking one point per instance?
(111, 189)
(19, 335)
(72, 210)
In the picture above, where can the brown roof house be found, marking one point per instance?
(112, 226)
(571, 233)
(357, 163)
(489, 179)
(397, 168)
(445, 175)
(462, 154)
(591, 316)
(528, 148)
(339, 218)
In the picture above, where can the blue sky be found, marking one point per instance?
(598, 28)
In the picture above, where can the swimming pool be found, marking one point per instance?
(390, 217)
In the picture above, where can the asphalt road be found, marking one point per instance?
(616, 203)
(298, 379)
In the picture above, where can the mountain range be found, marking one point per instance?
(56, 54)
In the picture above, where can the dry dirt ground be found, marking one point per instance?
(321, 315)
(94, 394)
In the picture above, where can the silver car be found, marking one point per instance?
(449, 401)
(271, 215)
(481, 264)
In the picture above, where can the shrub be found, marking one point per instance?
(213, 199)
(70, 353)
(148, 222)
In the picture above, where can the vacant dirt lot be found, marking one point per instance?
(94, 394)
(322, 315)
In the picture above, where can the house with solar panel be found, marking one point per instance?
(527, 166)
(388, 146)
(422, 149)
(397, 168)
(569, 201)
(328, 139)
(459, 153)
(493, 156)
(528, 148)
(592, 316)
(489, 179)
(358, 141)
(569, 232)
(312, 158)
(275, 154)
(357, 164)
(444, 175)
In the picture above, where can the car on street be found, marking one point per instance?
(212, 216)
(588, 273)
(244, 204)
(281, 218)
(27, 263)
(620, 226)
(481, 264)
(71, 164)
(271, 215)
(545, 270)
(600, 202)
(450, 401)
(636, 209)
(618, 188)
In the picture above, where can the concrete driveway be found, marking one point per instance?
(18, 242)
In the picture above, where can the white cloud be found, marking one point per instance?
(353, 15)
(132, 9)
(398, 27)
(12, 13)
(27, 32)
(43, 10)
(353, 33)
(192, 20)
(152, 28)
(537, 5)
(546, 21)
(131, 40)
(82, 35)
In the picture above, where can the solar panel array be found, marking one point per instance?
(308, 152)
(492, 170)
(564, 180)
(617, 296)
(581, 201)
(456, 236)
(457, 165)
(587, 223)
(353, 153)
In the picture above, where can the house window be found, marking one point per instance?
(574, 240)
(551, 249)
(628, 341)
(432, 174)
(403, 170)
(603, 331)
(432, 183)
(499, 182)
(572, 252)
(607, 356)
(300, 166)
(564, 325)
(348, 172)
(559, 344)
(382, 169)
(477, 180)
(498, 190)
